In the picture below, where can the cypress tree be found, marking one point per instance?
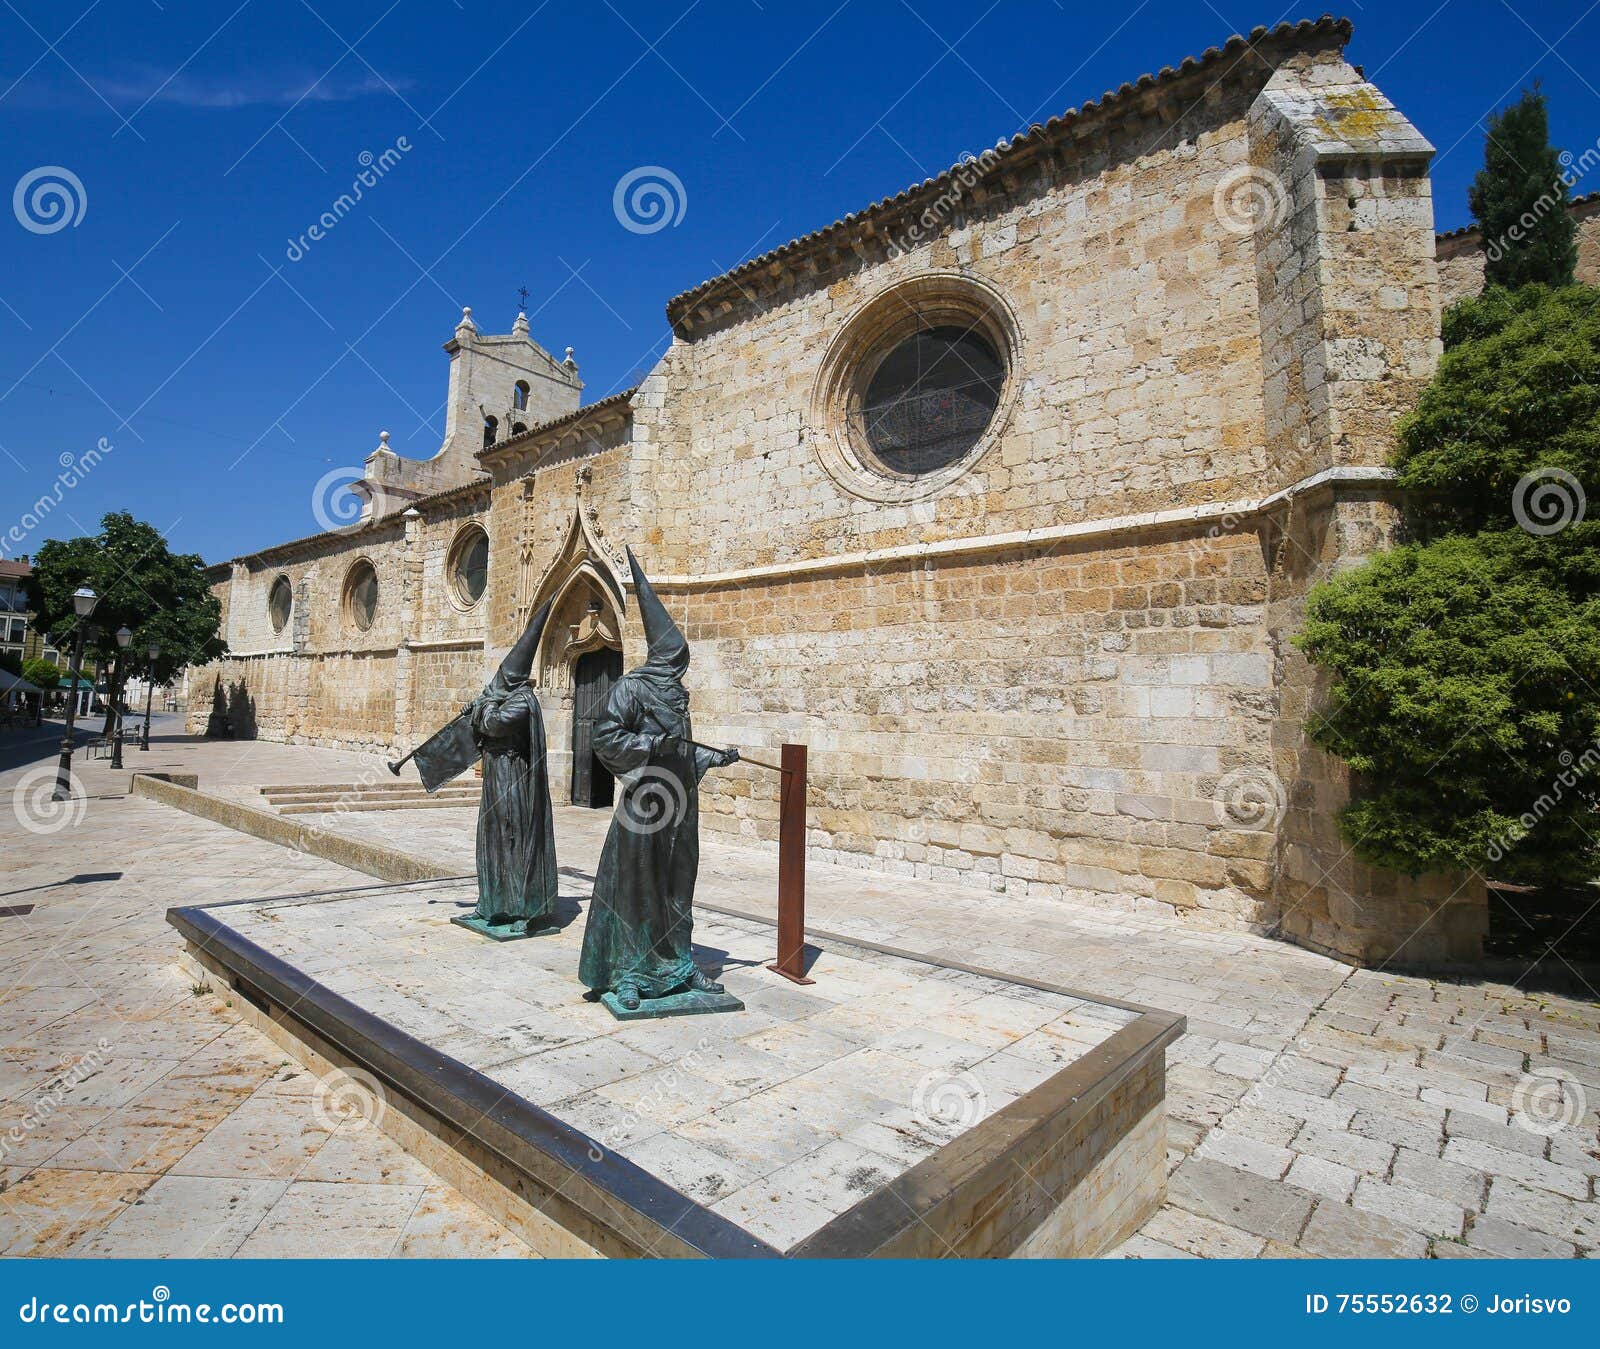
(1519, 200)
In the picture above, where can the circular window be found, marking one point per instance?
(916, 387)
(930, 399)
(469, 566)
(361, 594)
(280, 603)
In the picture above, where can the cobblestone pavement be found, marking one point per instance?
(1314, 1110)
(133, 1120)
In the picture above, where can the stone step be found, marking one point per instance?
(278, 789)
(465, 792)
(421, 802)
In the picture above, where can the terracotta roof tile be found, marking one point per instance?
(1587, 200)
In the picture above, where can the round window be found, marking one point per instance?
(931, 398)
(280, 603)
(361, 594)
(916, 387)
(469, 565)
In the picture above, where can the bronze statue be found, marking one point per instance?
(637, 938)
(516, 828)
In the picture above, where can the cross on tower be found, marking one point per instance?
(522, 297)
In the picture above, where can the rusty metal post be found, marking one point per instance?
(791, 962)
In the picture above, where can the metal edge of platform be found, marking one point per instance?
(533, 1142)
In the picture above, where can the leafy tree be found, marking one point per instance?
(1466, 663)
(1519, 200)
(1516, 393)
(1466, 694)
(161, 596)
(46, 674)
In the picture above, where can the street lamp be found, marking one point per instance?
(124, 636)
(83, 602)
(149, 688)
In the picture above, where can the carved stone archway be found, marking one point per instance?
(582, 582)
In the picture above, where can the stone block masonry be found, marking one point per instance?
(1059, 664)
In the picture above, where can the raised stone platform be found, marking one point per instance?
(895, 1107)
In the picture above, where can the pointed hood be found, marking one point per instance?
(667, 655)
(518, 664)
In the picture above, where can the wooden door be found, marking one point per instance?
(593, 677)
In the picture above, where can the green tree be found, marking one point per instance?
(1516, 396)
(1466, 663)
(1466, 695)
(46, 674)
(159, 595)
(1519, 200)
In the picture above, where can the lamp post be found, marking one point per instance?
(149, 688)
(83, 602)
(124, 636)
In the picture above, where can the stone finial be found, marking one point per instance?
(466, 325)
(569, 360)
(383, 440)
(520, 327)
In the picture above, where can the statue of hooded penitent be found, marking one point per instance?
(516, 829)
(636, 942)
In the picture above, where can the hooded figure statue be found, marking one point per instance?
(516, 830)
(636, 941)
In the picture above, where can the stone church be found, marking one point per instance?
(1003, 495)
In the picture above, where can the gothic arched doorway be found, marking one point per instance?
(593, 675)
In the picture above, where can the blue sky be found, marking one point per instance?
(170, 322)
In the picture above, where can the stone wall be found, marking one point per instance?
(323, 680)
(1460, 253)
(1047, 722)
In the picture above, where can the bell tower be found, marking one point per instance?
(500, 386)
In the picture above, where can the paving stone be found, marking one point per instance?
(189, 1217)
(1389, 1129)
(1248, 1154)
(1370, 1155)
(1238, 1199)
(1499, 1237)
(1485, 1109)
(1409, 1207)
(1581, 1154)
(444, 1226)
(1441, 1249)
(1195, 1235)
(370, 1220)
(1320, 1110)
(1321, 1177)
(1563, 1180)
(1142, 1247)
(1337, 1231)
(1508, 1137)
(1262, 1125)
(1459, 1185)
(1542, 1211)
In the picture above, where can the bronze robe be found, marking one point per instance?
(516, 828)
(640, 921)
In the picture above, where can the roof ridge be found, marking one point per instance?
(1463, 231)
(679, 306)
(555, 423)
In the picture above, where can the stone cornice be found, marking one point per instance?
(1177, 517)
